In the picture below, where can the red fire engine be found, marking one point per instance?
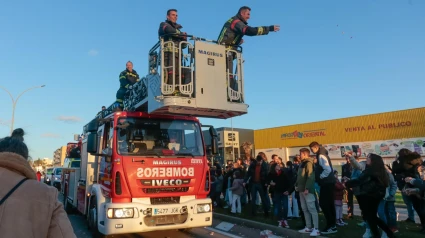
(145, 168)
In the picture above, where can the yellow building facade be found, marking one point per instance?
(398, 129)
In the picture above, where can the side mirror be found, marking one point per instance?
(92, 143)
(214, 141)
(213, 148)
(213, 132)
(92, 126)
(76, 137)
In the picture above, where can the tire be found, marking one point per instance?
(67, 206)
(92, 220)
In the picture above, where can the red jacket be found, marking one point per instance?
(339, 190)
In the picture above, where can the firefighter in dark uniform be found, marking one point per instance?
(128, 77)
(232, 32)
(170, 30)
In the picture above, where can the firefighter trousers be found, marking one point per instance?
(168, 62)
(120, 96)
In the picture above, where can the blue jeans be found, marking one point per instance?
(280, 202)
(258, 187)
(381, 211)
(408, 202)
(387, 213)
(391, 214)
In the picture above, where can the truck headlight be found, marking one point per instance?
(203, 208)
(120, 213)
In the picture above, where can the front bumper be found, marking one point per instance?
(141, 222)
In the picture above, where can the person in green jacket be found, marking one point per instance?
(305, 187)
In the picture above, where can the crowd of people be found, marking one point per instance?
(310, 182)
(309, 185)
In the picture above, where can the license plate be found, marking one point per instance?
(165, 211)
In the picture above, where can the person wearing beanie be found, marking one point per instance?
(28, 208)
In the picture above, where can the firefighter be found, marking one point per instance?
(232, 32)
(99, 114)
(170, 30)
(127, 78)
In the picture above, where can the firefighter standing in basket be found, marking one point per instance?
(232, 32)
(170, 30)
(127, 78)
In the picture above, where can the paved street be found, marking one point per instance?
(81, 231)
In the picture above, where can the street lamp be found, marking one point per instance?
(15, 101)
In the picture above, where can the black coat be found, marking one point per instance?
(282, 181)
(250, 175)
(368, 184)
(346, 170)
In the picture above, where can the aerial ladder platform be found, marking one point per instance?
(203, 81)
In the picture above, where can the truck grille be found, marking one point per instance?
(165, 200)
(166, 190)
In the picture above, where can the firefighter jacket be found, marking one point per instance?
(128, 78)
(173, 33)
(235, 28)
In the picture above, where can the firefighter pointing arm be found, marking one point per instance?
(234, 29)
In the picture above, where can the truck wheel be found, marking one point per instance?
(90, 214)
(92, 221)
(67, 206)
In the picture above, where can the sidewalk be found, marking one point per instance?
(350, 230)
(279, 231)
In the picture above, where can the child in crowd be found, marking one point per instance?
(237, 191)
(339, 194)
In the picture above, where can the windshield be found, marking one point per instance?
(158, 137)
(58, 171)
(75, 164)
(49, 171)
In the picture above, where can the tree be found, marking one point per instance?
(247, 147)
(38, 162)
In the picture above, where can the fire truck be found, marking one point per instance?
(144, 168)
